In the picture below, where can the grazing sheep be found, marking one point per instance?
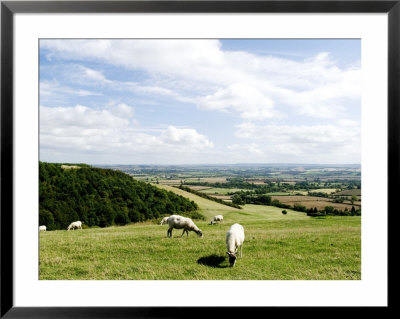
(42, 228)
(234, 239)
(179, 222)
(164, 220)
(73, 225)
(218, 218)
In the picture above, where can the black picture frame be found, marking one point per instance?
(9, 8)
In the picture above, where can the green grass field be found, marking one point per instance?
(294, 193)
(222, 191)
(324, 190)
(283, 247)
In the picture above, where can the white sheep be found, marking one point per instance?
(73, 225)
(234, 239)
(164, 220)
(42, 228)
(179, 222)
(218, 218)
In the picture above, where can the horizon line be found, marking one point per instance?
(211, 164)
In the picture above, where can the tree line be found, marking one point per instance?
(247, 197)
(242, 198)
(270, 187)
(102, 197)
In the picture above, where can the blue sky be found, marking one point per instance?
(200, 101)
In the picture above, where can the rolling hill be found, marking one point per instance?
(102, 197)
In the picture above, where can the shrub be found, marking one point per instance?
(329, 210)
(237, 199)
(300, 208)
(121, 218)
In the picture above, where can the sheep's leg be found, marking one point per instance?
(169, 232)
(241, 250)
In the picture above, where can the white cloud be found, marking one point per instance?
(53, 89)
(79, 116)
(301, 134)
(93, 74)
(233, 147)
(311, 142)
(251, 148)
(84, 76)
(200, 72)
(183, 137)
(153, 55)
(254, 149)
(122, 110)
(260, 89)
(348, 123)
(241, 97)
(110, 130)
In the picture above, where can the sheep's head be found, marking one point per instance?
(232, 258)
(199, 233)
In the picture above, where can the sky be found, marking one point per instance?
(200, 101)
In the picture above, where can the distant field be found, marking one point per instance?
(288, 193)
(289, 183)
(223, 197)
(313, 201)
(324, 190)
(256, 181)
(350, 192)
(207, 179)
(223, 191)
(198, 188)
(277, 247)
(170, 181)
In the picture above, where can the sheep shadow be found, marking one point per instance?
(212, 261)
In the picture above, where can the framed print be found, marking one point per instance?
(163, 157)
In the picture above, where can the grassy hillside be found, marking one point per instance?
(277, 246)
(207, 207)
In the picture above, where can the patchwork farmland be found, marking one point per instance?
(312, 201)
